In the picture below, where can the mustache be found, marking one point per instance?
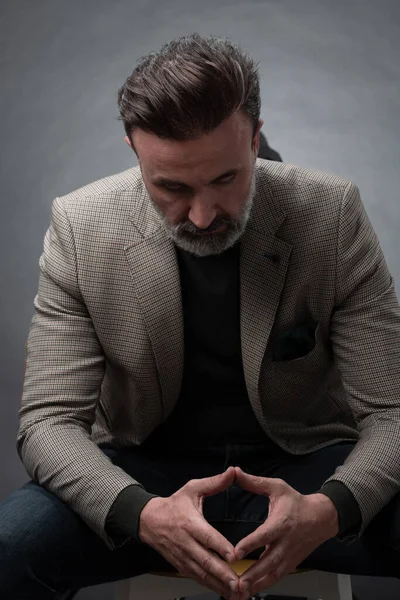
(189, 227)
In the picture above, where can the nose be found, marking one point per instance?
(202, 213)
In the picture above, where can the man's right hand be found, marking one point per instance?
(176, 528)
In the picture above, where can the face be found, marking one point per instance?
(202, 189)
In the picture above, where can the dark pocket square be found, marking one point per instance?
(295, 341)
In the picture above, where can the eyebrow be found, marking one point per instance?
(165, 180)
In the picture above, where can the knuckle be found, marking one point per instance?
(176, 555)
(224, 572)
(213, 480)
(290, 522)
(192, 570)
(207, 485)
(287, 522)
(185, 523)
(274, 577)
(186, 571)
(177, 563)
(179, 548)
(206, 563)
(258, 480)
(285, 519)
(206, 579)
(276, 563)
(281, 482)
(190, 485)
(208, 536)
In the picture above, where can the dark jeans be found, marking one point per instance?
(47, 550)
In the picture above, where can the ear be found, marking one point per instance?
(128, 141)
(256, 138)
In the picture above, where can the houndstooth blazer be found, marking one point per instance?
(105, 347)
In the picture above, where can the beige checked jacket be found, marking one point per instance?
(105, 348)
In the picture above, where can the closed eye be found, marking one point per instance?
(173, 188)
(180, 188)
(226, 180)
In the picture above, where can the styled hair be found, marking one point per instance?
(189, 88)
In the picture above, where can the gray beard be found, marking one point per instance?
(184, 234)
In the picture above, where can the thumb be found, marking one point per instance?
(257, 484)
(208, 486)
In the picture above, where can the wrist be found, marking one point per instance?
(148, 518)
(327, 514)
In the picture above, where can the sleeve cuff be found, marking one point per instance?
(347, 508)
(122, 523)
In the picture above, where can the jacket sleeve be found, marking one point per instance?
(64, 370)
(365, 336)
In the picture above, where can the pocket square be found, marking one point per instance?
(295, 341)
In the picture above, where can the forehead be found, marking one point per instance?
(226, 147)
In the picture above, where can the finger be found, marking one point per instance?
(265, 534)
(271, 564)
(264, 583)
(196, 572)
(208, 486)
(215, 567)
(211, 538)
(272, 568)
(258, 484)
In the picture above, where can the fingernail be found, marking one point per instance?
(233, 585)
(228, 557)
(240, 554)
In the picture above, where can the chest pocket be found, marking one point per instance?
(297, 345)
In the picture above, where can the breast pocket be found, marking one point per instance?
(298, 347)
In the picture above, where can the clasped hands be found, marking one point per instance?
(296, 525)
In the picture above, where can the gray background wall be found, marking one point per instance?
(330, 89)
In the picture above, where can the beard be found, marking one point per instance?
(186, 236)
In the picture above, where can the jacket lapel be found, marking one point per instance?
(154, 268)
(264, 263)
(261, 284)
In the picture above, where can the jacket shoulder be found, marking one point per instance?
(111, 185)
(294, 176)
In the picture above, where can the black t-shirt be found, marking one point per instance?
(213, 406)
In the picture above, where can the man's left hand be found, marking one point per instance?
(296, 525)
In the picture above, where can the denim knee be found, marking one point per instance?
(26, 538)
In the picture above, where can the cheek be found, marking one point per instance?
(234, 200)
(174, 210)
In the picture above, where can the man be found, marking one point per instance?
(212, 366)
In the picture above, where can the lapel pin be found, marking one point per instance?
(274, 257)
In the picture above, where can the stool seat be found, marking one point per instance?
(240, 567)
